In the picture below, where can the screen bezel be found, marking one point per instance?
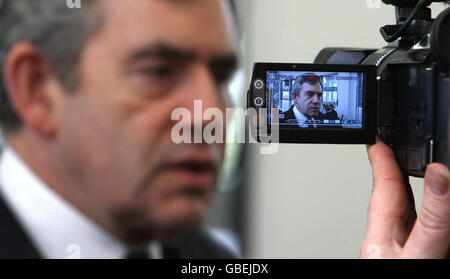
(366, 135)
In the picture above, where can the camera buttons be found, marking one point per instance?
(258, 101)
(259, 84)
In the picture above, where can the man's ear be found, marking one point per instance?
(294, 97)
(27, 75)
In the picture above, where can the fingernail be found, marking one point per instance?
(438, 182)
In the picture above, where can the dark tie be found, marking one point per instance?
(309, 122)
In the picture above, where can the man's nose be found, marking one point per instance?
(199, 93)
(201, 85)
(316, 99)
(209, 90)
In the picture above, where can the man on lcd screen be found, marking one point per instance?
(307, 94)
(90, 169)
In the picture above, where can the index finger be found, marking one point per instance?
(390, 208)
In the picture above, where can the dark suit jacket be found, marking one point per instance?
(15, 244)
(289, 115)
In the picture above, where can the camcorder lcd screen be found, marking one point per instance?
(315, 103)
(316, 100)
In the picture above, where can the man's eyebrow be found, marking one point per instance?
(163, 51)
(228, 61)
(166, 51)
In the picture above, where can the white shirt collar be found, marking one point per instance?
(57, 229)
(300, 118)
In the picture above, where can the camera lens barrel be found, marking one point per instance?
(407, 3)
(440, 38)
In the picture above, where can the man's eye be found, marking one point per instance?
(155, 79)
(221, 77)
(158, 71)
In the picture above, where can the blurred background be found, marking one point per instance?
(305, 201)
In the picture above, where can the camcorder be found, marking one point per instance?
(350, 95)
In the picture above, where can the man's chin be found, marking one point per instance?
(169, 229)
(185, 215)
(314, 114)
(166, 222)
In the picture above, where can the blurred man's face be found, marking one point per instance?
(148, 58)
(309, 100)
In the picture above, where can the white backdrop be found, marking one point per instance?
(310, 201)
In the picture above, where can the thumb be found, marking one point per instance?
(430, 236)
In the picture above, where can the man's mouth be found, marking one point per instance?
(193, 171)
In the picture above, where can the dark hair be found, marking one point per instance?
(308, 78)
(55, 30)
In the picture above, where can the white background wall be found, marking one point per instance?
(310, 201)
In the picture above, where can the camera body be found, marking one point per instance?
(409, 95)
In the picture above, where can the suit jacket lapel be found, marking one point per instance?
(14, 243)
